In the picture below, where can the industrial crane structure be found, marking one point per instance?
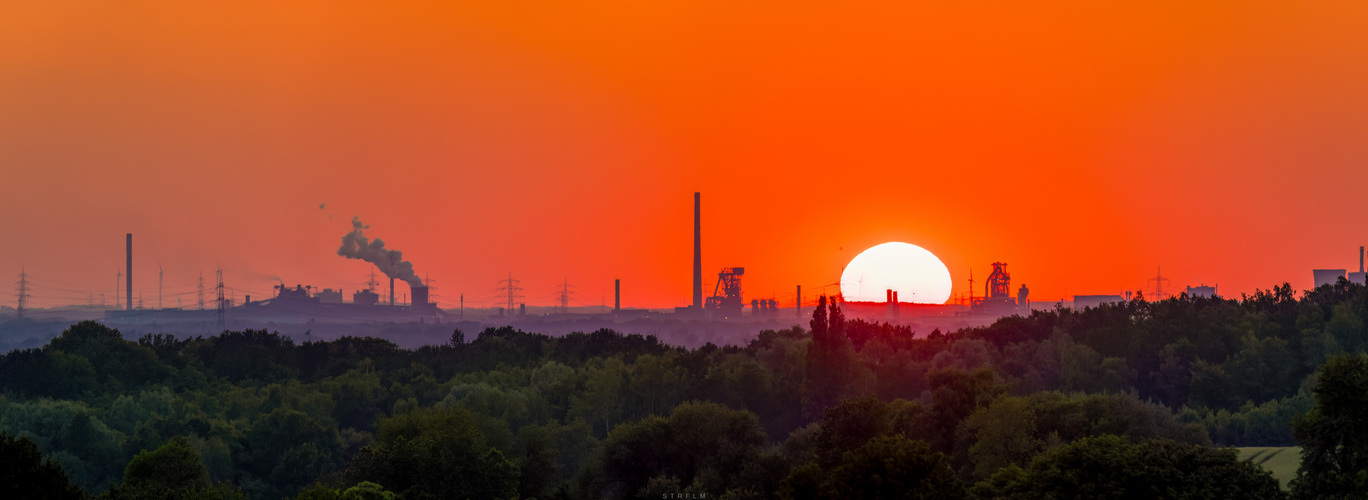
(727, 303)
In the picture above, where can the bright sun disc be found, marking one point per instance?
(916, 274)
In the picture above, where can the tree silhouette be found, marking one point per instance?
(1334, 434)
(25, 474)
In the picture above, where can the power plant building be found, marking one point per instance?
(1086, 301)
(1326, 276)
(997, 294)
(329, 296)
(1201, 291)
(1359, 277)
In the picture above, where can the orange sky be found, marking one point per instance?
(1084, 143)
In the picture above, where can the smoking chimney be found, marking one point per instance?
(698, 256)
(129, 275)
(391, 291)
(617, 295)
(1360, 258)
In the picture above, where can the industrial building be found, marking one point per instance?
(1359, 277)
(1086, 301)
(1321, 277)
(997, 297)
(726, 300)
(299, 302)
(1201, 291)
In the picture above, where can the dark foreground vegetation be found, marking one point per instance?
(1130, 400)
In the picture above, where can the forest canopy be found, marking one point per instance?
(1080, 397)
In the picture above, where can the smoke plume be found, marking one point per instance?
(391, 262)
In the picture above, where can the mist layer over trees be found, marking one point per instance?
(1131, 399)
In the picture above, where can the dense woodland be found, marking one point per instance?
(1132, 399)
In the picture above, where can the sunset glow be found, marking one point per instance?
(1084, 143)
(915, 273)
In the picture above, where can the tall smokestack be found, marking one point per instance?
(128, 276)
(391, 291)
(1360, 258)
(698, 255)
(617, 295)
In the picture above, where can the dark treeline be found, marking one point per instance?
(1096, 402)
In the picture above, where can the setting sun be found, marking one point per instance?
(915, 273)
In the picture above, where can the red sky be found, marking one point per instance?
(1083, 143)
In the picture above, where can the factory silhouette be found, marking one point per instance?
(720, 316)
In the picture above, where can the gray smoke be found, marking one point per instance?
(391, 262)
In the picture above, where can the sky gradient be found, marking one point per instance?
(1083, 143)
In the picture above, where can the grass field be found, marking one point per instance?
(1282, 461)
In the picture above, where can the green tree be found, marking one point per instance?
(894, 467)
(172, 471)
(703, 446)
(848, 426)
(832, 365)
(956, 394)
(363, 490)
(1334, 434)
(435, 453)
(26, 474)
(1004, 433)
(289, 450)
(1112, 467)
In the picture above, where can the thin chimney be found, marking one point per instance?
(698, 255)
(128, 276)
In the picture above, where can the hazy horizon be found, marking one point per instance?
(1085, 145)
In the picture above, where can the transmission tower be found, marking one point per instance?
(1159, 281)
(371, 283)
(160, 275)
(565, 294)
(971, 288)
(200, 294)
(118, 282)
(510, 286)
(221, 303)
(428, 281)
(23, 294)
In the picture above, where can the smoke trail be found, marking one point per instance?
(391, 262)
